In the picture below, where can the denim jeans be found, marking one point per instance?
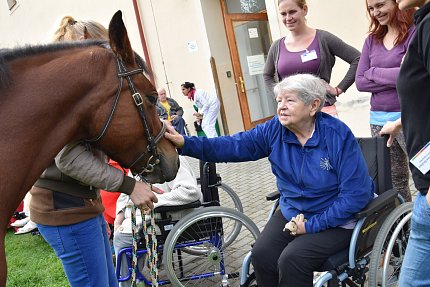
(415, 270)
(84, 251)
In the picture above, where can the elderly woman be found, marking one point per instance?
(320, 173)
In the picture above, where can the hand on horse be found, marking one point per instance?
(172, 135)
(143, 195)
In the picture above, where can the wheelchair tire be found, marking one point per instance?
(389, 248)
(237, 203)
(204, 228)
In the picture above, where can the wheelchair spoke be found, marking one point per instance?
(389, 249)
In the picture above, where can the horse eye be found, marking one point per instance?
(153, 99)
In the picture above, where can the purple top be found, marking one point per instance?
(378, 70)
(290, 63)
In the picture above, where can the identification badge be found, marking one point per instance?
(422, 159)
(309, 56)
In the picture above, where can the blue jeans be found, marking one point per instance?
(415, 270)
(84, 251)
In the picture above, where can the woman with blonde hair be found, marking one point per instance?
(308, 50)
(71, 30)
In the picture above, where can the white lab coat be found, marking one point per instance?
(209, 106)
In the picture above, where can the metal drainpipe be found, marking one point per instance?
(142, 40)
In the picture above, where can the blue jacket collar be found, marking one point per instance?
(289, 137)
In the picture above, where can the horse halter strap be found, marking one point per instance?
(138, 100)
(154, 159)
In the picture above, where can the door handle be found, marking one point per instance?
(242, 84)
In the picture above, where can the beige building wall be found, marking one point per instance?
(182, 36)
(178, 47)
(34, 22)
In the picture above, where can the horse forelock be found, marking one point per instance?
(142, 64)
(7, 55)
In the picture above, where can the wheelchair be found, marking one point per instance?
(379, 238)
(204, 248)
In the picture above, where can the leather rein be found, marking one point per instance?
(151, 148)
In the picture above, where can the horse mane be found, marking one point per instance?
(7, 55)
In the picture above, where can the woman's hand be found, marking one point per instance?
(172, 135)
(300, 225)
(392, 129)
(198, 116)
(335, 91)
(143, 195)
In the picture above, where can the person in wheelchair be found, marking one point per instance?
(320, 172)
(169, 109)
(182, 190)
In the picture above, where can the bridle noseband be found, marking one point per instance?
(151, 148)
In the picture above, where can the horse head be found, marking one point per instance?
(149, 155)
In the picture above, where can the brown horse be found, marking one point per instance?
(55, 94)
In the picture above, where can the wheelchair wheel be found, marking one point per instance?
(228, 198)
(389, 248)
(215, 263)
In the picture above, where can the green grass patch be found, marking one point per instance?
(32, 262)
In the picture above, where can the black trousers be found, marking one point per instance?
(280, 259)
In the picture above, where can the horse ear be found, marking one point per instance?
(118, 39)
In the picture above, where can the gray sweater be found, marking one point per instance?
(330, 47)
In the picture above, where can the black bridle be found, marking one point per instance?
(151, 148)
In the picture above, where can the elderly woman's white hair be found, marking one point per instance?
(308, 88)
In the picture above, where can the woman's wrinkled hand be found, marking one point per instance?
(172, 135)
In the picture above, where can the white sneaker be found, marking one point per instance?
(21, 222)
(29, 227)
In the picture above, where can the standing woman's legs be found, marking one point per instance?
(108, 252)
(209, 120)
(415, 270)
(86, 259)
(399, 165)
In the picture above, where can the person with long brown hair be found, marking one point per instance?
(390, 32)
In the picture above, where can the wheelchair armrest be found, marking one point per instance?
(172, 208)
(378, 203)
(273, 196)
